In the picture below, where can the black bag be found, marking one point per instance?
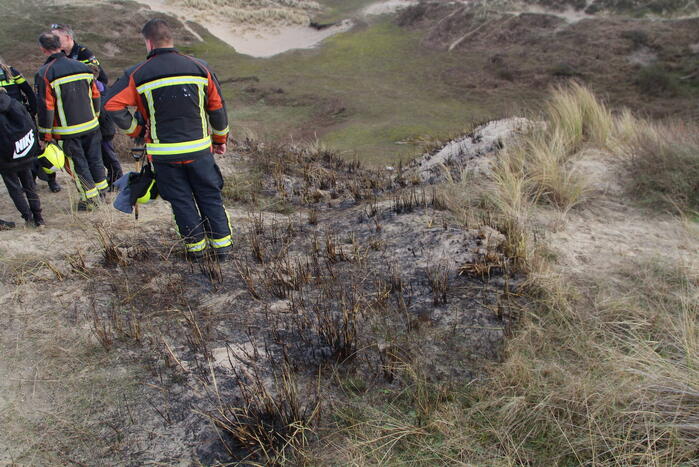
(19, 141)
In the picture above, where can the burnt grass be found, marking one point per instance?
(368, 280)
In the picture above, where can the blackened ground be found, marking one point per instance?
(361, 285)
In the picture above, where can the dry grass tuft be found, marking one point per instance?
(663, 165)
(579, 116)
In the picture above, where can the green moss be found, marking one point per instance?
(382, 85)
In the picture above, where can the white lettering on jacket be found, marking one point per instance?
(24, 145)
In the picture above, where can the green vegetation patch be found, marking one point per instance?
(362, 92)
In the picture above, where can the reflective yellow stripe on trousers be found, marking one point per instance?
(196, 247)
(225, 241)
(221, 242)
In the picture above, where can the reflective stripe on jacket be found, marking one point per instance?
(68, 98)
(179, 97)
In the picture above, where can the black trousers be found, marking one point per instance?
(85, 163)
(194, 192)
(110, 160)
(22, 189)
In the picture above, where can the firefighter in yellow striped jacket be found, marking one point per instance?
(185, 116)
(68, 108)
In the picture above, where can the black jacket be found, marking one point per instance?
(10, 106)
(18, 88)
(68, 98)
(175, 94)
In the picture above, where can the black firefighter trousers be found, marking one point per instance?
(22, 189)
(193, 189)
(84, 161)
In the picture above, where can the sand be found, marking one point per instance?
(253, 40)
(269, 42)
(387, 7)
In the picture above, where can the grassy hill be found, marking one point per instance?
(389, 86)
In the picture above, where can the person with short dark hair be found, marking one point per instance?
(179, 97)
(68, 106)
(76, 51)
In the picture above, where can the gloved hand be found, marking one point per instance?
(220, 148)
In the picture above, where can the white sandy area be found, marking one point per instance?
(570, 15)
(257, 41)
(389, 6)
(267, 41)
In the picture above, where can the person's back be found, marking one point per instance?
(176, 91)
(179, 97)
(67, 98)
(18, 150)
(68, 105)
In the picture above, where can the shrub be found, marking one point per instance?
(637, 37)
(655, 81)
(564, 70)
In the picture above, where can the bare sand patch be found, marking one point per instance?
(267, 42)
(258, 40)
(387, 7)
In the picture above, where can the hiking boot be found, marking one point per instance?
(39, 221)
(6, 225)
(195, 256)
(54, 186)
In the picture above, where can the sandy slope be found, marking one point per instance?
(267, 40)
(53, 374)
(608, 231)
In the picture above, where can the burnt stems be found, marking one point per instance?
(271, 423)
(306, 175)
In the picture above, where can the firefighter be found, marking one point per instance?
(18, 88)
(175, 94)
(76, 51)
(68, 108)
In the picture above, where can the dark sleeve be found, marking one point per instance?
(119, 98)
(46, 105)
(216, 109)
(27, 90)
